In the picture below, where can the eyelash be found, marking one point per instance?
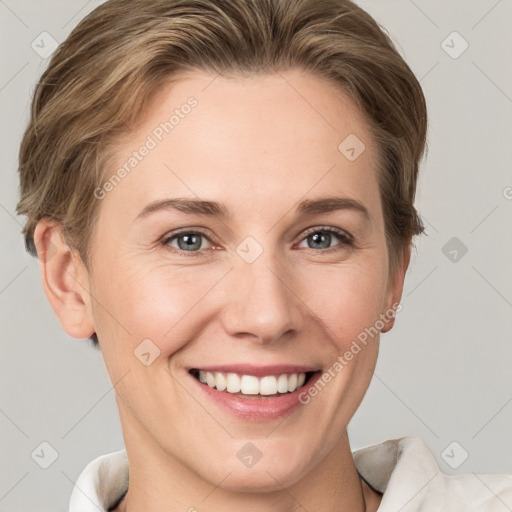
(346, 240)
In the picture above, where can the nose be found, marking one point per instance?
(263, 304)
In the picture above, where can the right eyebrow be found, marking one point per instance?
(187, 205)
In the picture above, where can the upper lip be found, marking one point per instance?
(257, 371)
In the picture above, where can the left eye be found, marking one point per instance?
(321, 237)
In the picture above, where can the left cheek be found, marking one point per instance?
(349, 303)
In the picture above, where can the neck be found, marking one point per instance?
(159, 482)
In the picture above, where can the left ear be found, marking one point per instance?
(395, 289)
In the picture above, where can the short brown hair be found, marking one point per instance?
(101, 77)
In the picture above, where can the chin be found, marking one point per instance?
(271, 473)
(262, 480)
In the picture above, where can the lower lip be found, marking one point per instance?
(260, 408)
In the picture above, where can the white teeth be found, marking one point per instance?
(233, 383)
(210, 379)
(292, 382)
(251, 385)
(268, 385)
(282, 383)
(220, 382)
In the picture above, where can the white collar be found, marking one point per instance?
(404, 470)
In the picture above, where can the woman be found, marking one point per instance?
(221, 196)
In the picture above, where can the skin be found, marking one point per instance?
(259, 145)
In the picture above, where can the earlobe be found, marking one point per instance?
(395, 289)
(64, 279)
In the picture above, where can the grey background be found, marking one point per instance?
(444, 370)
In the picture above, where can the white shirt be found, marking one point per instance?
(404, 470)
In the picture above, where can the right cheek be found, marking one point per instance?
(162, 303)
(154, 312)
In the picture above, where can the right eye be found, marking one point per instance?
(187, 242)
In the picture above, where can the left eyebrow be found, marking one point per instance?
(331, 204)
(215, 209)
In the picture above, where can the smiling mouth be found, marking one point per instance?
(250, 386)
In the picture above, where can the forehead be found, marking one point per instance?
(247, 140)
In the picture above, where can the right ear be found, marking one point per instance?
(65, 279)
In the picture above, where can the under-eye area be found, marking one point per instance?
(243, 385)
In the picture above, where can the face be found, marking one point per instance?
(272, 283)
